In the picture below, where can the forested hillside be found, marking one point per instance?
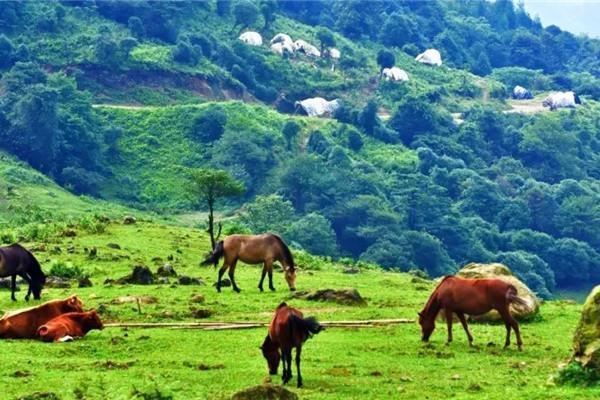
(119, 100)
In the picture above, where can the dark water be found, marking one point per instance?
(578, 294)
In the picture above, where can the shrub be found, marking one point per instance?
(66, 270)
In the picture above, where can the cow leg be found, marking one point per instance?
(298, 351)
(232, 276)
(262, 277)
(449, 318)
(13, 287)
(463, 321)
(221, 272)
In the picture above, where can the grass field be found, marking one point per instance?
(339, 363)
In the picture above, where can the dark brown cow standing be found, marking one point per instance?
(74, 324)
(472, 297)
(287, 330)
(23, 324)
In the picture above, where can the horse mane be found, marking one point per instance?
(432, 297)
(287, 254)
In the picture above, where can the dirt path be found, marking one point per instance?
(526, 108)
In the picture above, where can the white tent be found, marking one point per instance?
(394, 74)
(318, 106)
(520, 93)
(430, 57)
(282, 47)
(282, 38)
(251, 38)
(334, 53)
(307, 48)
(561, 100)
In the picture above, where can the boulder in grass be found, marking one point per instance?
(501, 271)
(586, 343)
(265, 392)
(141, 275)
(166, 270)
(343, 296)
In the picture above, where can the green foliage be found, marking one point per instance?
(314, 234)
(208, 185)
(246, 14)
(385, 59)
(269, 213)
(65, 270)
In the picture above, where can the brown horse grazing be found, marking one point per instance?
(16, 260)
(473, 297)
(23, 324)
(287, 330)
(253, 249)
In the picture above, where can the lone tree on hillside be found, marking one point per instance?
(267, 9)
(246, 14)
(385, 59)
(207, 186)
(327, 40)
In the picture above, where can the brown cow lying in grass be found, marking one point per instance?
(71, 325)
(23, 324)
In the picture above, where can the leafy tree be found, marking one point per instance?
(223, 7)
(271, 213)
(326, 39)
(314, 233)
(290, 131)
(185, 53)
(6, 50)
(267, 9)
(245, 13)
(355, 141)
(398, 30)
(385, 59)
(209, 125)
(207, 186)
(136, 27)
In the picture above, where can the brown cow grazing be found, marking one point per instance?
(23, 324)
(287, 330)
(74, 324)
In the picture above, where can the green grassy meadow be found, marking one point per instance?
(339, 363)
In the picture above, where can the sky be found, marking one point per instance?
(576, 16)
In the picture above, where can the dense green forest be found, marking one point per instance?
(119, 100)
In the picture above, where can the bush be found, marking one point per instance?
(209, 125)
(66, 270)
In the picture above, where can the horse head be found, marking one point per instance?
(427, 326)
(271, 354)
(290, 277)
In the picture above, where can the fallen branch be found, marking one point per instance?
(213, 326)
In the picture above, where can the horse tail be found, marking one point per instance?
(215, 255)
(511, 296)
(287, 254)
(308, 325)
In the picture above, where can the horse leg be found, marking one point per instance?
(509, 321)
(284, 375)
(13, 287)
(463, 321)
(449, 319)
(29, 282)
(288, 355)
(232, 277)
(298, 351)
(262, 277)
(221, 272)
(269, 265)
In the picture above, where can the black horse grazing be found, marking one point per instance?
(16, 260)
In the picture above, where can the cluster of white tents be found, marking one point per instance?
(554, 101)
(282, 43)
